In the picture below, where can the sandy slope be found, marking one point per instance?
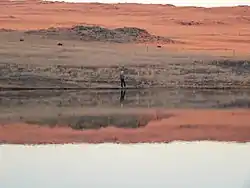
(213, 29)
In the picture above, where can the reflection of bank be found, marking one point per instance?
(122, 96)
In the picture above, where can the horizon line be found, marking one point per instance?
(144, 3)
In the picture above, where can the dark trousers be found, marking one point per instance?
(123, 83)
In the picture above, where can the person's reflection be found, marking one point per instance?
(123, 93)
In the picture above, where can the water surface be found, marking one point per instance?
(92, 109)
(178, 165)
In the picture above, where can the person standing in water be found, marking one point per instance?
(122, 79)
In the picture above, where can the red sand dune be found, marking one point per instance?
(202, 29)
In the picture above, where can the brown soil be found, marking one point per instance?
(212, 30)
(185, 125)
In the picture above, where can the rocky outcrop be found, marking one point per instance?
(97, 33)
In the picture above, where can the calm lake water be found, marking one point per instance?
(177, 165)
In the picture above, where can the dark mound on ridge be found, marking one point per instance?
(97, 33)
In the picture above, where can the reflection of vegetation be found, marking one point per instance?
(121, 121)
(96, 122)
